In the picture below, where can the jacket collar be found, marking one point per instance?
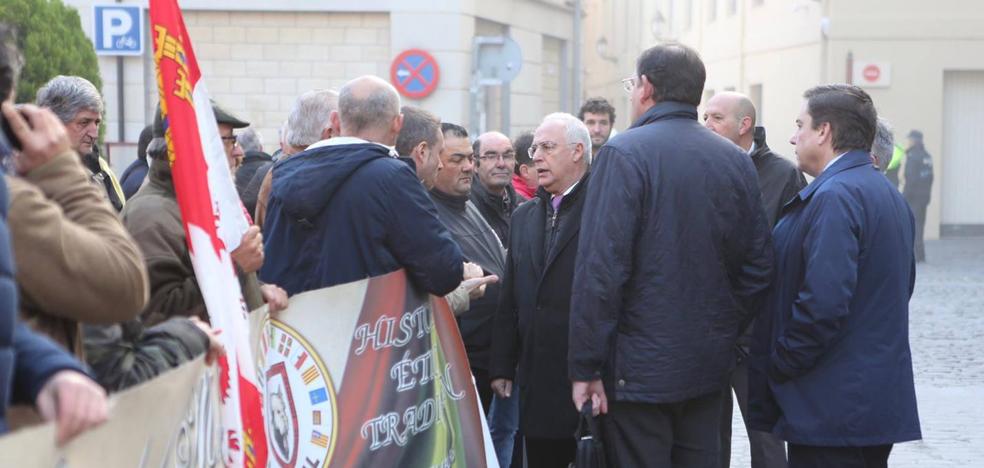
(452, 201)
(569, 198)
(850, 160)
(502, 203)
(159, 174)
(761, 148)
(667, 110)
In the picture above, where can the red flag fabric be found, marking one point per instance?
(214, 223)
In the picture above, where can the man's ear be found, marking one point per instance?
(419, 153)
(328, 132)
(578, 152)
(647, 89)
(746, 126)
(397, 124)
(336, 123)
(825, 134)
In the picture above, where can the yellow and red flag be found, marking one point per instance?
(214, 223)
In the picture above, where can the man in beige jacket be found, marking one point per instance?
(75, 261)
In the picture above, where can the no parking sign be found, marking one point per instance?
(415, 73)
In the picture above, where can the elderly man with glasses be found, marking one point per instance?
(529, 340)
(492, 191)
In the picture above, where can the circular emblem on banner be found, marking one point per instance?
(415, 73)
(301, 413)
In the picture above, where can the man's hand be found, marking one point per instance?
(74, 402)
(275, 297)
(476, 286)
(594, 390)
(502, 387)
(42, 135)
(475, 280)
(249, 254)
(215, 348)
(472, 271)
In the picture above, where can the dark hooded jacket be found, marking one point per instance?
(674, 258)
(345, 212)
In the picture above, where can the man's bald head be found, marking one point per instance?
(369, 108)
(731, 115)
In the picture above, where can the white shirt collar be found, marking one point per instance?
(832, 161)
(349, 140)
(752, 149)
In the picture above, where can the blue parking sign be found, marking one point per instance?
(118, 29)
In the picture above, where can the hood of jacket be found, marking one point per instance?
(306, 182)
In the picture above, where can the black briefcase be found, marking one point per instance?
(590, 449)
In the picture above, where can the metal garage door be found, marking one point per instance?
(963, 154)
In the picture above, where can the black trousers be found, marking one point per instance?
(484, 386)
(686, 434)
(919, 212)
(805, 456)
(550, 453)
(768, 451)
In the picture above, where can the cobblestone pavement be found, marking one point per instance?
(946, 327)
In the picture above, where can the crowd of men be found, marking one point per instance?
(648, 274)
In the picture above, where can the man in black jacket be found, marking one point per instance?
(478, 243)
(532, 321)
(492, 191)
(679, 260)
(732, 115)
(918, 186)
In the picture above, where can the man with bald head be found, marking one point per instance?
(346, 208)
(732, 115)
(492, 191)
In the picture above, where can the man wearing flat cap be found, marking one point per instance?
(153, 218)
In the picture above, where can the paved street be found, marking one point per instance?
(946, 323)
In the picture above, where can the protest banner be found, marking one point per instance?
(371, 373)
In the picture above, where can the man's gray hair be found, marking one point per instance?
(66, 96)
(884, 144)
(310, 116)
(250, 140)
(376, 110)
(575, 131)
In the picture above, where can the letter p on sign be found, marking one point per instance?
(118, 29)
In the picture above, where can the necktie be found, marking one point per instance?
(555, 201)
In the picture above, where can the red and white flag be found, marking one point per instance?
(214, 224)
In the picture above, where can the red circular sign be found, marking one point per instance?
(415, 73)
(871, 73)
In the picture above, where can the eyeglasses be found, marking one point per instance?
(229, 140)
(492, 156)
(546, 147)
(628, 84)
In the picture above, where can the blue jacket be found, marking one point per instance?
(830, 362)
(342, 213)
(674, 258)
(27, 360)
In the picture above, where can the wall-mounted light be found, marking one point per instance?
(601, 47)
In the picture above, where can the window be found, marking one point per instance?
(712, 7)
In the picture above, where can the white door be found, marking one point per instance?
(963, 153)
